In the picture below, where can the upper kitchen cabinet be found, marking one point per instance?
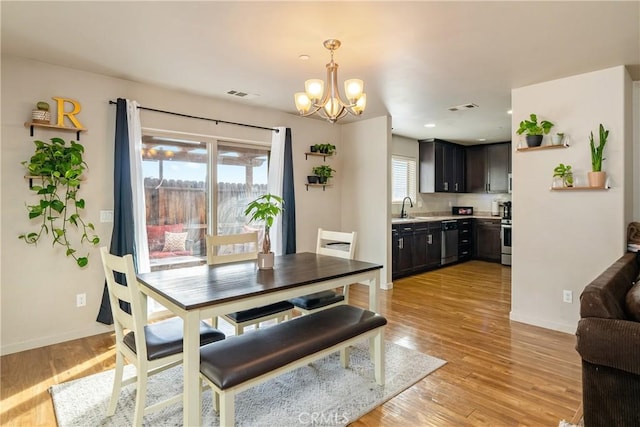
(442, 166)
(488, 167)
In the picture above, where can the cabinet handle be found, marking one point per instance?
(430, 239)
(401, 243)
(446, 186)
(456, 187)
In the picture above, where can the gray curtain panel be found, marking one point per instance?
(122, 238)
(288, 194)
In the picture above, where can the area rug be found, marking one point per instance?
(321, 393)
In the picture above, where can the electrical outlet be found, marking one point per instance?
(567, 296)
(81, 300)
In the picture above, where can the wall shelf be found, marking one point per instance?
(32, 177)
(31, 125)
(324, 156)
(579, 188)
(317, 185)
(542, 147)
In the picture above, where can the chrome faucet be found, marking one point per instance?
(404, 214)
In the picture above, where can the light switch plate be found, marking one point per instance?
(106, 216)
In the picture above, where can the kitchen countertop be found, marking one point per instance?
(479, 215)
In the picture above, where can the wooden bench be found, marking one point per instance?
(239, 362)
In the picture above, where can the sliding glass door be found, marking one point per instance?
(241, 173)
(175, 175)
(193, 186)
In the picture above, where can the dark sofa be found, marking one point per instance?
(608, 341)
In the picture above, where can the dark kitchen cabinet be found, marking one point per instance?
(442, 167)
(420, 243)
(415, 248)
(488, 167)
(402, 250)
(465, 239)
(487, 240)
(434, 245)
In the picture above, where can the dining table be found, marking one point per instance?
(202, 292)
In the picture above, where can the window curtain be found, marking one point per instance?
(289, 196)
(281, 184)
(127, 172)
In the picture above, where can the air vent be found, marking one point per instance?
(236, 93)
(468, 106)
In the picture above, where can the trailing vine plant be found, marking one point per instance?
(59, 166)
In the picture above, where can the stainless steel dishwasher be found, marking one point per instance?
(449, 242)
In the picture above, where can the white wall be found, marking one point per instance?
(38, 284)
(366, 190)
(563, 240)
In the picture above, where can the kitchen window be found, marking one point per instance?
(403, 178)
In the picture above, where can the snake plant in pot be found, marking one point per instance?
(265, 208)
(597, 177)
(59, 168)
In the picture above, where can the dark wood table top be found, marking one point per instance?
(196, 287)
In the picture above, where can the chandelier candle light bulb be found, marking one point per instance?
(329, 104)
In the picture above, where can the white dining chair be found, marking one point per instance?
(151, 348)
(240, 247)
(332, 243)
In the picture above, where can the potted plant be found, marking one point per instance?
(565, 173)
(534, 130)
(556, 139)
(323, 172)
(597, 177)
(59, 166)
(327, 149)
(265, 208)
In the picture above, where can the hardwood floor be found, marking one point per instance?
(498, 372)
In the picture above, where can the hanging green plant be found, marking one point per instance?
(59, 167)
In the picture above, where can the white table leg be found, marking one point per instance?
(373, 291)
(191, 397)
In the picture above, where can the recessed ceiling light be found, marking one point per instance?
(510, 112)
(304, 57)
(482, 139)
(430, 125)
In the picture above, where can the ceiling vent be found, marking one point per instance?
(236, 93)
(468, 106)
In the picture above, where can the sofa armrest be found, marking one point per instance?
(610, 342)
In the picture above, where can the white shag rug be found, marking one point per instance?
(322, 393)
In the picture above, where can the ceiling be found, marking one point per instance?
(417, 59)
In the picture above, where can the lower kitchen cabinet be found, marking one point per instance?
(402, 240)
(415, 248)
(465, 239)
(487, 240)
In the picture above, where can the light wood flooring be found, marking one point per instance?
(498, 372)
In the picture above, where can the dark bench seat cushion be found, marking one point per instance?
(165, 338)
(258, 312)
(240, 358)
(317, 300)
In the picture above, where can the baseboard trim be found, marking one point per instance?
(543, 323)
(54, 339)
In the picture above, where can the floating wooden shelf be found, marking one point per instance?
(317, 155)
(579, 188)
(318, 185)
(31, 125)
(543, 147)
